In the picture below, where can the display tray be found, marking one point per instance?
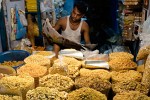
(14, 56)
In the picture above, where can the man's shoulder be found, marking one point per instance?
(84, 23)
(63, 18)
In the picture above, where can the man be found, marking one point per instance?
(73, 26)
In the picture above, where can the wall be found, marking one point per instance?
(20, 5)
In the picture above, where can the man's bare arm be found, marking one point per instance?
(56, 47)
(86, 33)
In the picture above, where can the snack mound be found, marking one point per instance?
(125, 75)
(33, 70)
(126, 86)
(103, 74)
(12, 63)
(45, 93)
(120, 55)
(10, 97)
(16, 85)
(37, 59)
(86, 94)
(94, 82)
(71, 65)
(122, 64)
(57, 81)
(131, 95)
(44, 53)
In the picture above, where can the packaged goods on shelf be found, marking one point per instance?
(31, 5)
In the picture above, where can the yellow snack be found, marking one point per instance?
(37, 59)
(33, 70)
(125, 75)
(120, 55)
(102, 73)
(122, 64)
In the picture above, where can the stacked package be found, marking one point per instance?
(31, 5)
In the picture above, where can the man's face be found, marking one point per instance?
(76, 15)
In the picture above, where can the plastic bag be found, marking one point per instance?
(146, 74)
(146, 25)
(36, 29)
(21, 30)
(23, 18)
(144, 50)
(59, 67)
(120, 48)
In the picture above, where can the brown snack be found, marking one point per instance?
(39, 48)
(140, 68)
(72, 66)
(121, 55)
(94, 82)
(60, 82)
(102, 73)
(125, 75)
(44, 53)
(131, 95)
(143, 52)
(33, 70)
(122, 64)
(16, 85)
(126, 86)
(37, 59)
(86, 94)
(59, 68)
(146, 73)
(12, 63)
(45, 93)
(10, 97)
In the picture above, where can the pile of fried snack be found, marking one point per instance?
(65, 78)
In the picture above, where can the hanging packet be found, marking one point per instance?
(23, 18)
(21, 30)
